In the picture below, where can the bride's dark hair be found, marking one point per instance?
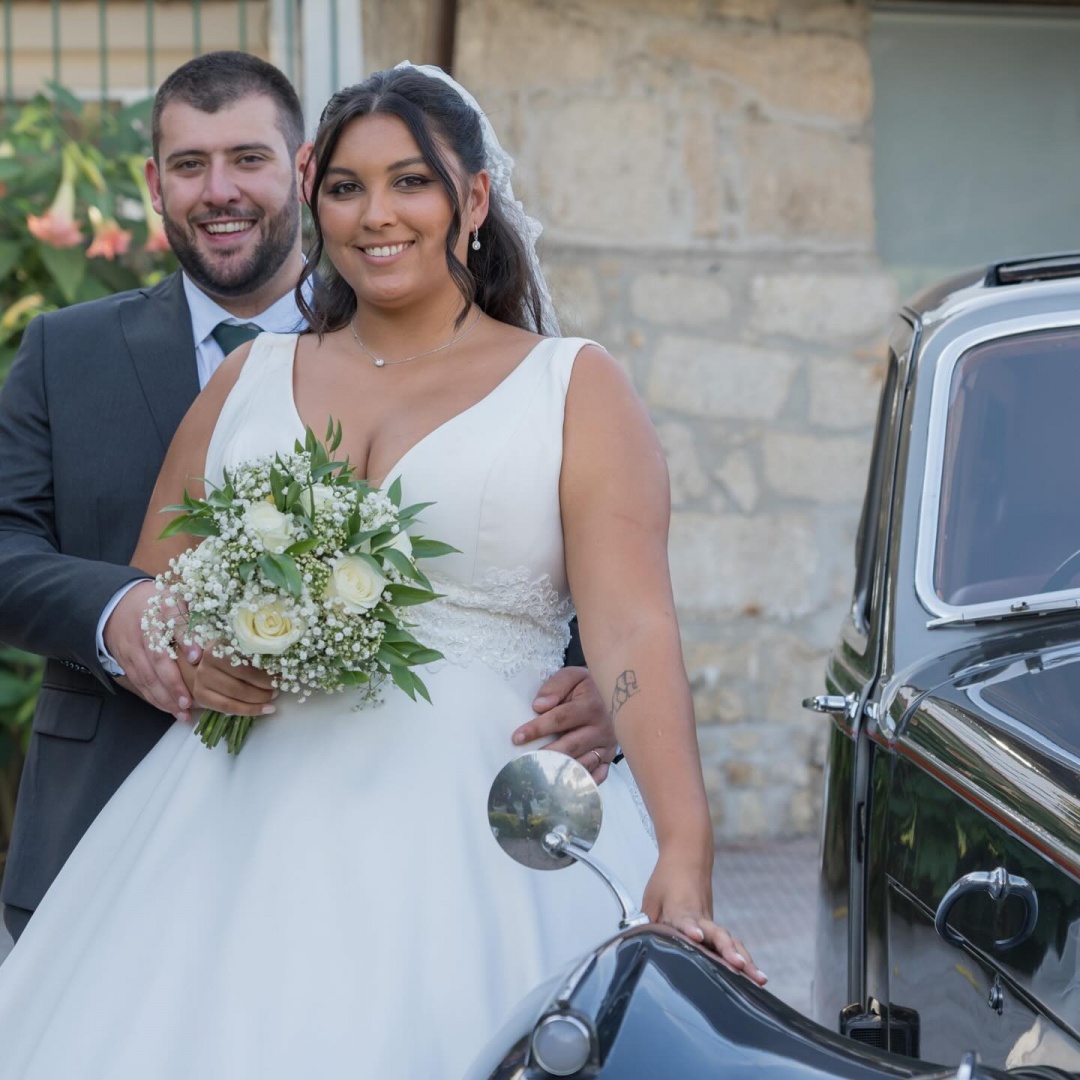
(498, 277)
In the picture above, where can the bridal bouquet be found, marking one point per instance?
(304, 573)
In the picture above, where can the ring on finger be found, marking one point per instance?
(599, 759)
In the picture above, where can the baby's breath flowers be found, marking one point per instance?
(303, 572)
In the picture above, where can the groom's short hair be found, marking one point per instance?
(216, 80)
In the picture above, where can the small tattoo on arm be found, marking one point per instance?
(625, 688)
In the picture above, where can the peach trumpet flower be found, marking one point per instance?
(57, 226)
(156, 240)
(110, 239)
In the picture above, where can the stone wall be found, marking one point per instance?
(703, 169)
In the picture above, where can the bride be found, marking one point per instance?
(330, 902)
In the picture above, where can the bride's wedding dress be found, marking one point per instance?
(331, 902)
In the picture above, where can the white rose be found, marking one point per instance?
(324, 498)
(265, 522)
(269, 631)
(356, 583)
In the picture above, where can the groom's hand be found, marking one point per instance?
(569, 706)
(155, 677)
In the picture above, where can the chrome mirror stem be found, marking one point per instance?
(560, 842)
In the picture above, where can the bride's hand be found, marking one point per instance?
(684, 901)
(237, 691)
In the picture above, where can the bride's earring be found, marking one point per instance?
(476, 238)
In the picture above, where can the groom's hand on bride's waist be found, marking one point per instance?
(570, 707)
(154, 676)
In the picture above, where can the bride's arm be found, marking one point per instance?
(616, 509)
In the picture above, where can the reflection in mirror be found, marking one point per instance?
(534, 795)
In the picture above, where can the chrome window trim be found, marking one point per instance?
(930, 501)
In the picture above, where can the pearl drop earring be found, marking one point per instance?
(476, 238)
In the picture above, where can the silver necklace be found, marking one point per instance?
(380, 361)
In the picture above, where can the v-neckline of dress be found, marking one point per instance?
(396, 466)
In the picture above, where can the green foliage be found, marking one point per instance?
(20, 675)
(62, 160)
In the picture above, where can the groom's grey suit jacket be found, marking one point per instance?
(92, 401)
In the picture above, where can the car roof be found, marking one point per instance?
(1008, 286)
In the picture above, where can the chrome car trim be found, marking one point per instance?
(951, 354)
(989, 773)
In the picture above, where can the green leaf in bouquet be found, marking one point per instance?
(395, 634)
(326, 468)
(404, 679)
(292, 496)
(409, 595)
(245, 570)
(422, 655)
(421, 689)
(280, 570)
(190, 525)
(406, 515)
(401, 561)
(302, 547)
(355, 678)
(422, 548)
(370, 560)
(66, 266)
(277, 488)
(393, 493)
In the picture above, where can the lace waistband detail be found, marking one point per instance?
(510, 620)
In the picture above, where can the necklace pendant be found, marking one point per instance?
(379, 361)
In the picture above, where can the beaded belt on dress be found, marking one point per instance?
(509, 620)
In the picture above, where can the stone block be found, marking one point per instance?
(823, 307)
(831, 17)
(705, 174)
(576, 296)
(687, 301)
(752, 11)
(504, 45)
(728, 564)
(803, 183)
(704, 377)
(607, 169)
(824, 469)
(739, 479)
(689, 481)
(844, 393)
(813, 74)
(743, 774)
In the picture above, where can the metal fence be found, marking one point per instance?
(120, 50)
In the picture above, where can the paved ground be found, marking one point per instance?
(765, 895)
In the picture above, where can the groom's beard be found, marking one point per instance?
(232, 276)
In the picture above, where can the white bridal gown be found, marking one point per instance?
(331, 903)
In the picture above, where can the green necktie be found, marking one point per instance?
(230, 336)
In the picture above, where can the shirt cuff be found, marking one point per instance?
(104, 658)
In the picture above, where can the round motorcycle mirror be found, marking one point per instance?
(540, 794)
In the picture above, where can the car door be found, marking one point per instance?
(851, 677)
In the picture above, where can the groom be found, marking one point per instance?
(93, 399)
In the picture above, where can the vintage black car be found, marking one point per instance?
(949, 912)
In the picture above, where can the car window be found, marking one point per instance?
(879, 480)
(1009, 508)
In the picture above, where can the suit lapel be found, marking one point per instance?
(157, 329)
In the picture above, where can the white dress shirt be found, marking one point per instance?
(281, 317)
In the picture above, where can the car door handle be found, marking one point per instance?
(999, 884)
(832, 703)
